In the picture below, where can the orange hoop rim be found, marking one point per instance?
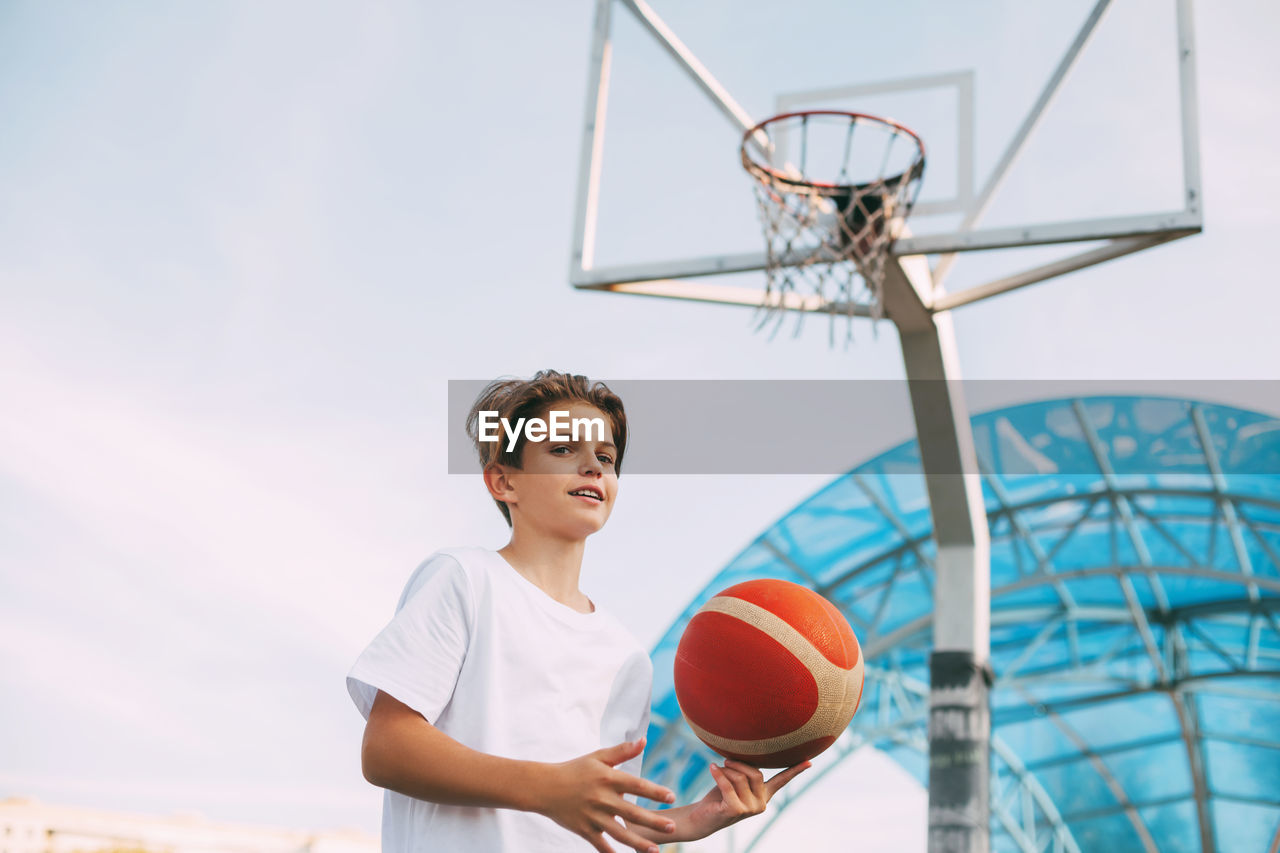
(767, 174)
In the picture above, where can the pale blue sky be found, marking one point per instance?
(244, 246)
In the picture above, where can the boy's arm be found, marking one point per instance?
(740, 792)
(405, 753)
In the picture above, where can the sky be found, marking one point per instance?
(244, 247)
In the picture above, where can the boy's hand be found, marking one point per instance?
(740, 791)
(585, 796)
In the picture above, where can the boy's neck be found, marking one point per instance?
(552, 565)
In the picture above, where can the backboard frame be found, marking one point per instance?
(672, 278)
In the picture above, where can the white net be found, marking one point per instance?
(831, 216)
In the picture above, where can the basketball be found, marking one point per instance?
(769, 673)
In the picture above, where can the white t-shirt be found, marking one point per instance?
(498, 665)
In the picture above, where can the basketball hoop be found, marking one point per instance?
(830, 220)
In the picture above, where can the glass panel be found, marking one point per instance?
(1108, 833)
(1176, 828)
(1201, 660)
(1259, 513)
(1188, 589)
(1009, 638)
(1152, 772)
(911, 599)
(1132, 665)
(1076, 787)
(1243, 771)
(1096, 639)
(1001, 842)
(1009, 563)
(1116, 723)
(862, 601)
(1244, 826)
(906, 494)
(815, 537)
(1036, 740)
(1261, 543)
(867, 581)
(1037, 595)
(1162, 551)
(1242, 715)
(1096, 589)
(696, 768)
(667, 708)
(1142, 587)
(1048, 692)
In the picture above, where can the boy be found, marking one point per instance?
(505, 712)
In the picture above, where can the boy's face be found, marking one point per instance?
(566, 488)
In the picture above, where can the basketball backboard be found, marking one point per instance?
(1066, 131)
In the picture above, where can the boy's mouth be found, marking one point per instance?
(588, 492)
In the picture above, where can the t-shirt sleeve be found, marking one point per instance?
(639, 675)
(418, 656)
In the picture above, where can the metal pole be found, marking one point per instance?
(959, 667)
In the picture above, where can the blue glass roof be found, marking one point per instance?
(1135, 624)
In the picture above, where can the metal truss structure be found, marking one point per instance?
(1135, 623)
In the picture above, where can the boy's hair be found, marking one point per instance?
(513, 399)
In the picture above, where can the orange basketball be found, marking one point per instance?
(768, 672)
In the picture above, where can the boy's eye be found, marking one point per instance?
(605, 458)
(561, 449)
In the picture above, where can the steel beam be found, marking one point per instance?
(1227, 508)
(1189, 723)
(587, 207)
(959, 707)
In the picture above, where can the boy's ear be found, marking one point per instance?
(498, 482)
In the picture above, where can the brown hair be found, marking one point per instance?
(513, 399)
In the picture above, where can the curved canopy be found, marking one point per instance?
(1135, 622)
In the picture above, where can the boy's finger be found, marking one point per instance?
(629, 838)
(618, 753)
(785, 776)
(727, 792)
(755, 779)
(634, 814)
(644, 788)
(597, 841)
(741, 785)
